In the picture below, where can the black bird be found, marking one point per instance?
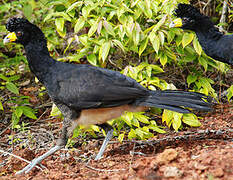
(214, 43)
(90, 95)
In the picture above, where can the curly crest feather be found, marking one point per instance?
(16, 23)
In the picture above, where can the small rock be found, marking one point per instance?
(167, 156)
(172, 172)
(218, 172)
(199, 166)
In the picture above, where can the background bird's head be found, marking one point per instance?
(189, 17)
(22, 31)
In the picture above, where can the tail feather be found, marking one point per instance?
(178, 101)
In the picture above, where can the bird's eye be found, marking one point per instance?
(19, 33)
(185, 19)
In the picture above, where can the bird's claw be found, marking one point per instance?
(28, 167)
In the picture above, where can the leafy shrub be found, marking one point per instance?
(137, 33)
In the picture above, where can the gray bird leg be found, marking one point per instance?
(108, 137)
(36, 161)
(67, 129)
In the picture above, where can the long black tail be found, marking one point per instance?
(178, 101)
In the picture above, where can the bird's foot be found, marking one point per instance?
(38, 160)
(29, 166)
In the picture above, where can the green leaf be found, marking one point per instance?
(14, 119)
(167, 117)
(132, 134)
(127, 117)
(79, 24)
(191, 79)
(19, 111)
(203, 62)
(93, 28)
(177, 120)
(119, 44)
(143, 46)
(59, 22)
(139, 133)
(161, 37)
(163, 59)
(197, 46)
(148, 13)
(104, 50)
(191, 120)
(74, 5)
(160, 23)
(109, 28)
(230, 93)
(12, 87)
(157, 129)
(27, 111)
(154, 39)
(57, 14)
(187, 39)
(55, 111)
(121, 137)
(136, 37)
(135, 122)
(1, 106)
(92, 59)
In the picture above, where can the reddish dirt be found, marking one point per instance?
(195, 154)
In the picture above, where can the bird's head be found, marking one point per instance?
(22, 31)
(188, 17)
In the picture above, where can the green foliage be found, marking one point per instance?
(97, 31)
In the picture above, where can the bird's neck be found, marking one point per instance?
(208, 36)
(206, 30)
(39, 60)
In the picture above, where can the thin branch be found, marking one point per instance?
(223, 16)
(4, 152)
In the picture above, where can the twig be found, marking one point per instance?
(223, 16)
(132, 154)
(225, 134)
(4, 152)
(5, 129)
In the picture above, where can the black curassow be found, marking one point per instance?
(214, 43)
(91, 95)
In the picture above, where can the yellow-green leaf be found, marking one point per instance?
(177, 120)
(104, 50)
(154, 39)
(55, 111)
(203, 62)
(143, 46)
(191, 79)
(93, 28)
(59, 22)
(197, 46)
(167, 117)
(109, 28)
(92, 59)
(191, 120)
(1, 106)
(79, 24)
(121, 137)
(187, 39)
(163, 59)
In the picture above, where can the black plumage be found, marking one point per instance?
(214, 43)
(91, 95)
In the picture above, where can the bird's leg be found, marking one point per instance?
(67, 129)
(108, 137)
